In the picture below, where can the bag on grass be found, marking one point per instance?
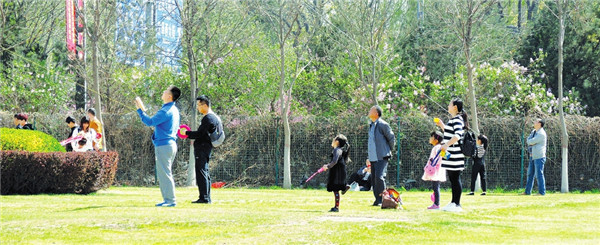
(390, 199)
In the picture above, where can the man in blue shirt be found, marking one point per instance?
(380, 144)
(164, 138)
(536, 143)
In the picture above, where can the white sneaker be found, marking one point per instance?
(449, 207)
(454, 208)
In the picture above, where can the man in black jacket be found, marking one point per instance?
(203, 147)
(73, 126)
(21, 121)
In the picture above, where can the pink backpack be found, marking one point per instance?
(433, 165)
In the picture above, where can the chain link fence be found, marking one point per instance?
(252, 154)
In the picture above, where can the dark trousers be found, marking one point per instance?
(202, 175)
(478, 168)
(378, 172)
(355, 177)
(454, 177)
(435, 185)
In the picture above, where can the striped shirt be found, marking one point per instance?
(453, 128)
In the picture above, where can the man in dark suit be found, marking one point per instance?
(21, 121)
(72, 125)
(380, 144)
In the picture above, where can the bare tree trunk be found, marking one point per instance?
(186, 18)
(472, 100)
(564, 140)
(98, 102)
(374, 77)
(191, 175)
(471, 92)
(467, 50)
(287, 177)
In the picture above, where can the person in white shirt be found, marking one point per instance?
(88, 133)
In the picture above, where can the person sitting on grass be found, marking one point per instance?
(20, 120)
(337, 176)
(362, 178)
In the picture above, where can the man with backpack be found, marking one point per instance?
(209, 135)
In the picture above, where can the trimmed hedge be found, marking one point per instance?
(56, 172)
(28, 140)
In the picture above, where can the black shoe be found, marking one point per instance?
(483, 194)
(201, 201)
(471, 194)
(376, 203)
(334, 209)
(345, 190)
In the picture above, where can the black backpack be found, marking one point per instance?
(468, 143)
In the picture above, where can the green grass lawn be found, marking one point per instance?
(264, 216)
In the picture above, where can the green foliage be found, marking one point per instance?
(242, 83)
(405, 55)
(511, 89)
(505, 90)
(32, 77)
(148, 84)
(581, 75)
(28, 140)
(31, 86)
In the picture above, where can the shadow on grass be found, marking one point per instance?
(307, 211)
(85, 208)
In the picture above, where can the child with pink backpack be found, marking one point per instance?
(433, 170)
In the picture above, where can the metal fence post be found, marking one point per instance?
(522, 150)
(277, 153)
(398, 135)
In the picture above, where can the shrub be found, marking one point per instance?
(28, 140)
(56, 172)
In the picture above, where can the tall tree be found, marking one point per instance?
(33, 57)
(581, 66)
(99, 20)
(292, 28)
(365, 29)
(466, 18)
(212, 29)
(564, 136)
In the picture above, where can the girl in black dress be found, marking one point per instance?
(337, 175)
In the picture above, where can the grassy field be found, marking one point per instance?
(264, 216)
